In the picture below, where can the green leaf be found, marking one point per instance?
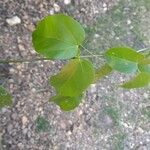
(5, 98)
(141, 80)
(144, 65)
(58, 37)
(102, 71)
(74, 78)
(66, 103)
(123, 59)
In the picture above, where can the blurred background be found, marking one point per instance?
(109, 118)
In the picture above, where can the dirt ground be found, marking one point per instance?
(109, 118)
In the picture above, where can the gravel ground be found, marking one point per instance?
(109, 118)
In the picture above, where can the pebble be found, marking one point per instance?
(20, 145)
(146, 95)
(30, 27)
(9, 128)
(93, 88)
(24, 120)
(4, 110)
(56, 7)
(29, 134)
(96, 35)
(21, 47)
(13, 21)
(24, 131)
(32, 140)
(128, 21)
(14, 116)
(51, 11)
(67, 2)
(105, 7)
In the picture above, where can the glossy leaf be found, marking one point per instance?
(123, 59)
(58, 37)
(66, 103)
(102, 71)
(74, 78)
(144, 65)
(5, 98)
(141, 80)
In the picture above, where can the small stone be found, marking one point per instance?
(4, 110)
(51, 11)
(13, 21)
(40, 109)
(67, 2)
(145, 95)
(69, 133)
(21, 47)
(104, 5)
(24, 120)
(32, 140)
(30, 27)
(140, 130)
(20, 145)
(24, 131)
(96, 35)
(29, 134)
(63, 125)
(11, 70)
(14, 116)
(128, 21)
(56, 7)
(9, 128)
(105, 9)
(80, 112)
(93, 88)
(33, 90)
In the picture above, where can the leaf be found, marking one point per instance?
(144, 65)
(141, 80)
(102, 71)
(74, 78)
(66, 103)
(123, 59)
(58, 37)
(5, 98)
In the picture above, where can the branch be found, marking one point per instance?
(7, 61)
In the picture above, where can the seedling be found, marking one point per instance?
(60, 37)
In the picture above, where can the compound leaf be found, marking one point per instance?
(74, 78)
(5, 98)
(66, 103)
(141, 80)
(144, 65)
(123, 59)
(58, 37)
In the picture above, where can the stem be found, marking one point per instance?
(22, 60)
(90, 56)
(7, 61)
(143, 50)
(37, 59)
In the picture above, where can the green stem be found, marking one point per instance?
(7, 61)
(143, 50)
(22, 60)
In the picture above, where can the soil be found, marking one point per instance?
(109, 118)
